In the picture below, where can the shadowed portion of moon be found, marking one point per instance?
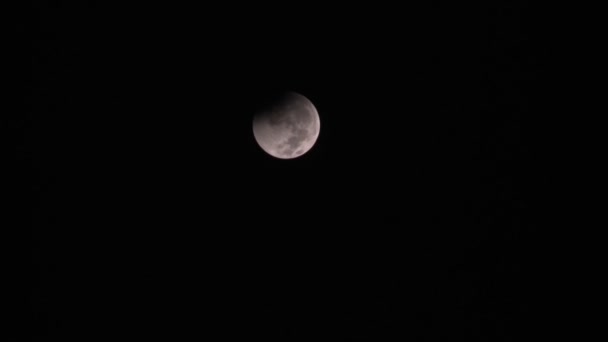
(288, 127)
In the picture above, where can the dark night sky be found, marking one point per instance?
(153, 212)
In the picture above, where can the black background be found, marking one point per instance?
(154, 214)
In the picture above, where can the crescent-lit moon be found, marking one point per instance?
(288, 128)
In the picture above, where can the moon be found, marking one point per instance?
(288, 127)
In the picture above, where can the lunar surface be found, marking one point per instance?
(288, 127)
